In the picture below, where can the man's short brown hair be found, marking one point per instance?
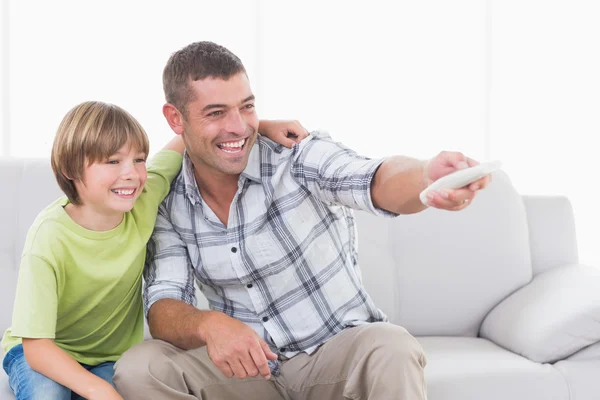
(90, 132)
(194, 62)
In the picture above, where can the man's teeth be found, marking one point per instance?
(123, 192)
(233, 145)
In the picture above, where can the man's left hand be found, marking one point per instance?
(454, 200)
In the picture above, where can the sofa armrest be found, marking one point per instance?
(554, 316)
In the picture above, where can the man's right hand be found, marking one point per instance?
(235, 348)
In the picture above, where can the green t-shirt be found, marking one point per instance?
(82, 288)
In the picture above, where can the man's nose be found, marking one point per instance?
(236, 123)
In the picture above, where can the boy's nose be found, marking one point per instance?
(129, 172)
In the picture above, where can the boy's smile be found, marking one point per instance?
(109, 189)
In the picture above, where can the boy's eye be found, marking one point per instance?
(140, 160)
(112, 162)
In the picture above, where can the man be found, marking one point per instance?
(267, 234)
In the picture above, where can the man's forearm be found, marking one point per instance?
(178, 323)
(397, 185)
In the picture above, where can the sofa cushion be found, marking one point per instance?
(590, 353)
(438, 273)
(477, 369)
(582, 377)
(5, 392)
(550, 319)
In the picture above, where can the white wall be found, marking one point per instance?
(546, 103)
(67, 51)
(514, 80)
(402, 77)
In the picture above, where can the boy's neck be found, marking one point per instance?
(92, 219)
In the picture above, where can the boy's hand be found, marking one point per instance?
(286, 133)
(105, 391)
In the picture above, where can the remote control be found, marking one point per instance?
(461, 178)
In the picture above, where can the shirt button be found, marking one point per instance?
(265, 319)
(234, 249)
(249, 285)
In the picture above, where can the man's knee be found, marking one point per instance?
(134, 367)
(393, 343)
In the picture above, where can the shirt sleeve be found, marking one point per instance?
(36, 299)
(168, 273)
(336, 174)
(162, 169)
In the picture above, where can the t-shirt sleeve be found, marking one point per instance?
(162, 169)
(36, 299)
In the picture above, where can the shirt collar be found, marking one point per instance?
(252, 170)
(189, 180)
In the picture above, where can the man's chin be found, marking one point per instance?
(235, 167)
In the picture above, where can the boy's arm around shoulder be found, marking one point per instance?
(163, 168)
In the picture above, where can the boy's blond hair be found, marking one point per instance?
(90, 132)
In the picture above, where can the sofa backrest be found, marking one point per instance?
(438, 273)
(29, 186)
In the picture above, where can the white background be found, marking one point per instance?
(514, 80)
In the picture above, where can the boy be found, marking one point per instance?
(78, 304)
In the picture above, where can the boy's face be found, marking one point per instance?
(111, 186)
(221, 125)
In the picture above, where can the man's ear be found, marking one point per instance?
(174, 118)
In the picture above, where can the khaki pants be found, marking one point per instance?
(377, 361)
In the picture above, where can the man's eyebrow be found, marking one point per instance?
(211, 106)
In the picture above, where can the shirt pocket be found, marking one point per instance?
(269, 251)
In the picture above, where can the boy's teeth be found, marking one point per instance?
(123, 192)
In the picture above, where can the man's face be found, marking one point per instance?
(220, 125)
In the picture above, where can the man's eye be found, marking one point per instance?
(249, 106)
(215, 113)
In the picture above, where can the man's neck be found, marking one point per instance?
(219, 187)
(217, 190)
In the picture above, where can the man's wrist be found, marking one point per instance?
(425, 175)
(204, 323)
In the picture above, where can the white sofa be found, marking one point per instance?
(494, 293)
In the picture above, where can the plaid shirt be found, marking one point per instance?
(286, 262)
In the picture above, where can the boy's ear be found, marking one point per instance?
(174, 118)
